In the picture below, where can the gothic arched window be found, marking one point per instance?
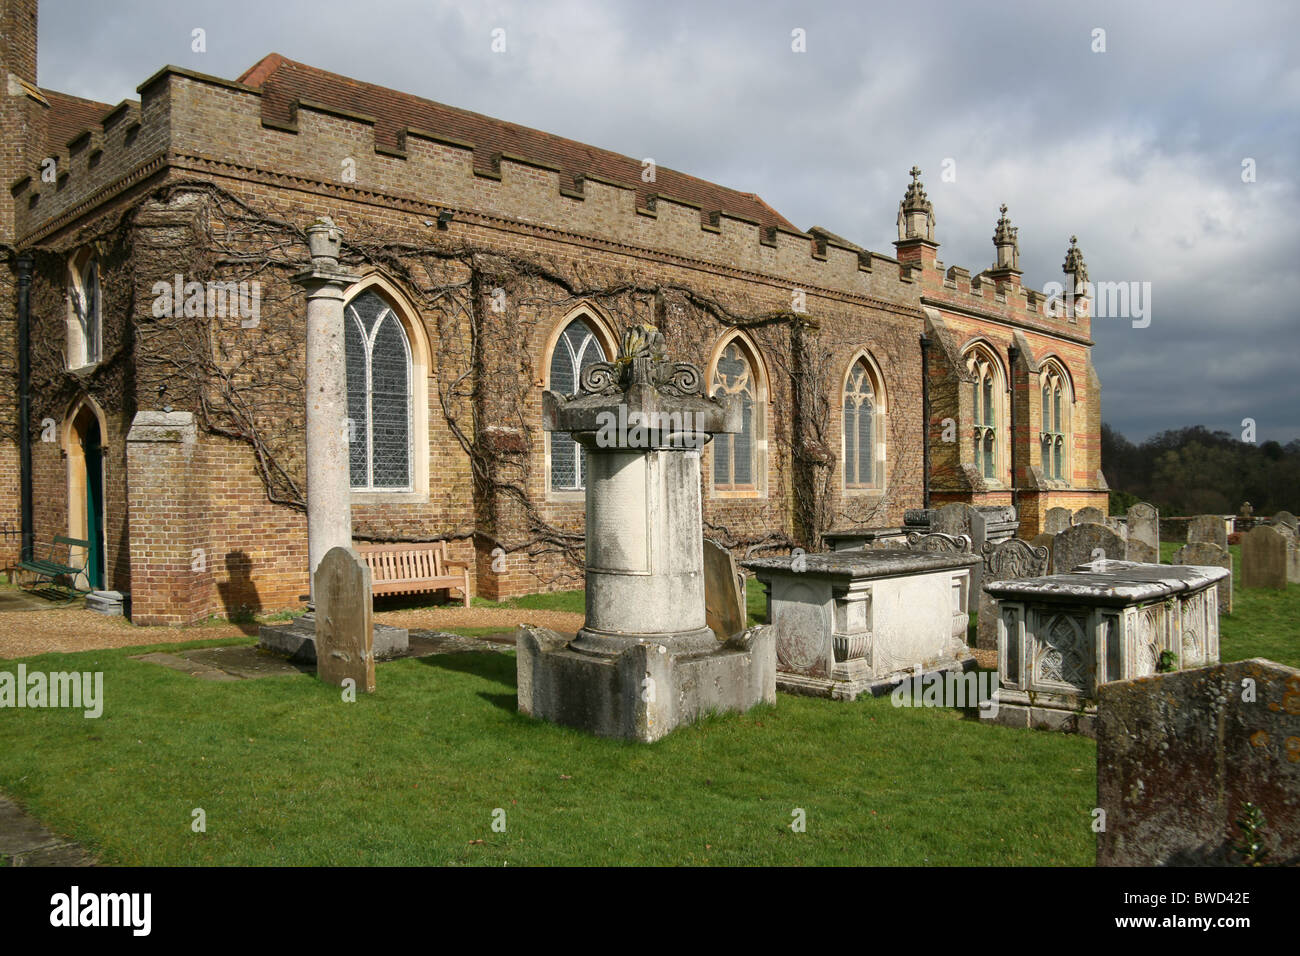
(85, 320)
(379, 395)
(1054, 437)
(986, 395)
(737, 461)
(862, 428)
(576, 348)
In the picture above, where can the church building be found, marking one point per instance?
(152, 362)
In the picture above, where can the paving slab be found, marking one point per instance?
(24, 842)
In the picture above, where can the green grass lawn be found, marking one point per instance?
(288, 773)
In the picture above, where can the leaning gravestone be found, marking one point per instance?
(1057, 520)
(1288, 519)
(344, 620)
(1085, 543)
(1089, 516)
(724, 592)
(1003, 562)
(1207, 528)
(1263, 559)
(1144, 533)
(1180, 756)
(1209, 554)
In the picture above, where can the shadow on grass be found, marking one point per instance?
(490, 665)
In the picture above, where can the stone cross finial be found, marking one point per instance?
(915, 212)
(1006, 243)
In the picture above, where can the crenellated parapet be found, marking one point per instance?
(216, 127)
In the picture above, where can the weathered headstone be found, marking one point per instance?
(1207, 528)
(955, 519)
(958, 520)
(1045, 541)
(344, 620)
(1143, 533)
(724, 592)
(1286, 518)
(1057, 520)
(1084, 543)
(937, 541)
(1209, 554)
(1089, 515)
(1180, 756)
(1004, 562)
(1263, 558)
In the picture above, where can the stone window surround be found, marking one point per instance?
(1048, 368)
(603, 329)
(879, 427)
(75, 348)
(762, 399)
(977, 350)
(417, 341)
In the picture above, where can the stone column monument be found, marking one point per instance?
(329, 492)
(645, 660)
(329, 485)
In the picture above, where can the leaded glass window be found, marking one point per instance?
(379, 396)
(985, 411)
(1052, 437)
(859, 428)
(734, 464)
(576, 349)
(84, 294)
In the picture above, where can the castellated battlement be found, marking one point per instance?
(189, 120)
(217, 127)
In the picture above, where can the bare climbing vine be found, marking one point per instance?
(246, 383)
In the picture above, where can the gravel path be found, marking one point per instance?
(63, 630)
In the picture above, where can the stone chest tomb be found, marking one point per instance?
(1062, 636)
(848, 622)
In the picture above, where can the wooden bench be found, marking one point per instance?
(59, 562)
(414, 568)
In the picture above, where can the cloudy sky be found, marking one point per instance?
(1138, 149)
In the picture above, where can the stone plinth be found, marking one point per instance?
(645, 660)
(1060, 637)
(849, 622)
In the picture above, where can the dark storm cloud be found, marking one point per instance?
(1138, 150)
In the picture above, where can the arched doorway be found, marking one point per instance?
(85, 449)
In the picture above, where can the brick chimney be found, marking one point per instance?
(23, 109)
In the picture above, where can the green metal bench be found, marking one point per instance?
(59, 563)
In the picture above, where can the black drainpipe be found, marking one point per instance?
(25, 402)
(925, 413)
(1013, 353)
